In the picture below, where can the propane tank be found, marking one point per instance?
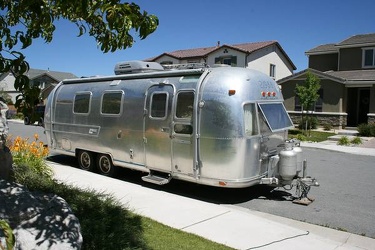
(298, 150)
(288, 162)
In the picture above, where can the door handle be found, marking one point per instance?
(165, 129)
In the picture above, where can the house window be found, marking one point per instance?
(228, 60)
(368, 57)
(319, 103)
(318, 106)
(166, 63)
(272, 70)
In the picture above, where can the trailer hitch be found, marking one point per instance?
(302, 190)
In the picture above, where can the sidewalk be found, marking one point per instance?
(236, 227)
(366, 148)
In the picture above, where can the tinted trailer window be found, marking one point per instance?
(276, 116)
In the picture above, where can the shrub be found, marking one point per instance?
(366, 129)
(301, 137)
(28, 158)
(327, 126)
(312, 123)
(344, 141)
(9, 236)
(356, 140)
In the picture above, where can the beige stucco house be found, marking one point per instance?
(267, 57)
(347, 73)
(45, 79)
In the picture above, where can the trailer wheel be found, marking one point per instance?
(26, 120)
(41, 122)
(105, 165)
(86, 160)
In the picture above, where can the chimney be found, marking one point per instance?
(218, 43)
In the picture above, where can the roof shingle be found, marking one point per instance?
(324, 48)
(201, 52)
(59, 76)
(358, 39)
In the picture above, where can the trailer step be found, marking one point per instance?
(156, 179)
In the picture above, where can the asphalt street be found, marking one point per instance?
(344, 201)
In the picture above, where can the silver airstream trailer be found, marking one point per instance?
(220, 126)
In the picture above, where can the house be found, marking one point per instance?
(267, 57)
(347, 77)
(45, 79)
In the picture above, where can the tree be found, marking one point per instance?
(110, 22)
(308, 94)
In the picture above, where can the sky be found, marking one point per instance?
(298, 26)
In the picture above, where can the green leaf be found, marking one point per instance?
(9, 236)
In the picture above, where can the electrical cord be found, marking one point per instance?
(277, 241)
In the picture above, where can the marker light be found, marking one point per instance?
(232, 92)
(222, 183)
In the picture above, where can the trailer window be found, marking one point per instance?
(159, 105)
(276, 116)
(111, 103)
(250, 119)
(82, 103)
(185, 102)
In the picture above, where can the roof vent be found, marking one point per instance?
(185, 66)
(132, 67)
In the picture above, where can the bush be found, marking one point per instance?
(327, 126)
(28, 158)
(356, 140)
(365, 129)
(312, 123)
(301, 137)
(105, 223)
(344, 141)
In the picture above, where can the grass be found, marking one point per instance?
(315, 136)
(107, 224)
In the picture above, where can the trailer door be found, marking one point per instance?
(157, 127)
(182, 134)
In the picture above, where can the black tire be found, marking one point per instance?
(86, 160)
(41, 122)
(26, 120)
(105, 165)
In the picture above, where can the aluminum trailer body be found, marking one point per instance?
(223, 126)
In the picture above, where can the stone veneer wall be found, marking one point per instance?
(335, 120)
(371, 118)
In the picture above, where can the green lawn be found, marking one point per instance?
(107, 224)
(315, 136)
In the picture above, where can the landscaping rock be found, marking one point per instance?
(39, 221)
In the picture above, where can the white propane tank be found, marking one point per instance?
(288, 162)
(298, 150)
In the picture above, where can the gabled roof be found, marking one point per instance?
(328, 48)
(358, 40)
(58, 76)
(353, 41)
(320, 74)
(344, 77)
(354, 75)
(36, 73)
(205, 51)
